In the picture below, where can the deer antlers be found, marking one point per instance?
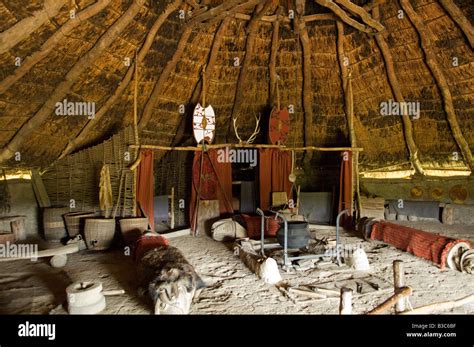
(252, 137)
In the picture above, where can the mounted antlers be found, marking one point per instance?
(252, 137)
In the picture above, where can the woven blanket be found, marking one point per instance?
(423, 244)
(146, 243)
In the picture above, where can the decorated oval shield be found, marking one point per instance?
(204, 124)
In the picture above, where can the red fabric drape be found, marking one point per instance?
(274, 169)
(145, 186)
(215, 184)
(345, 188)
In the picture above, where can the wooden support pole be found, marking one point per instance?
(122, 86)
(345, 304)
(396, 90)
(29, 62)
(440, 79)
(71, 77)
(160, 84)
(398, 283)
(400, 294)
(349, 110)
(25, 27)
(460, 19)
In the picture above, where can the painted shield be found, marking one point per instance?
(204, 123)
(279, 127)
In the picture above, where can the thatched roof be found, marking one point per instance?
(426, 43)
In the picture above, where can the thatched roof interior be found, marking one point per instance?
(172, 66)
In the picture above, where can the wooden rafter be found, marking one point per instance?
(233, 11)
(460, 19)
(397, 93)
(21, 30)
(51, 43)
(273, 57)
(71, 77)
(363, 14)
(249, 50)
(215, 11)
(211, 61)
(440, 80)
(307, 80)
(160, 84)
(91, 125)
(344, 16)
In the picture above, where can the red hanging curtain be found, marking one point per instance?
(216, 183)
(345, 188)
(274, 169)
(145, 186)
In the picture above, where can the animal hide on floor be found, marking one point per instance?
(166, 275)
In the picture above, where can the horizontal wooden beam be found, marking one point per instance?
(234, 145)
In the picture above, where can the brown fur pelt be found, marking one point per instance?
(169, 279)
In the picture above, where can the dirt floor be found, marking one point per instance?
(36, 288)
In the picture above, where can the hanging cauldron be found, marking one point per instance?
(298, 234)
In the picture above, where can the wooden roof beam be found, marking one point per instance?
(122, 86)
(51, 43)
(249, 50)
(160, 83)
(460, 19)
(344, 16)
(273, 56)
(440, 79)
(24, 28)
(397, 93)
(363, 14)
(71, 77)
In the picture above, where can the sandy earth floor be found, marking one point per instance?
(36, 288)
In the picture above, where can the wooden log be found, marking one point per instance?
(460, 19)
(345, 305)
(362, 13)
(51, 43)
(441, 306)
(387, 304)
(344, 16)
(160, 84)
(252, 29)
(308, 293)
(24, 28)
(92, 124)
(440, 79)
(396, 90)
(398, 283)
(71, 77)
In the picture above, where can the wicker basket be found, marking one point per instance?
(53, 223)
(75, 222)
(99, 233)
(132, 228)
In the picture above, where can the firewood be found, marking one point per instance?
(387, 304)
